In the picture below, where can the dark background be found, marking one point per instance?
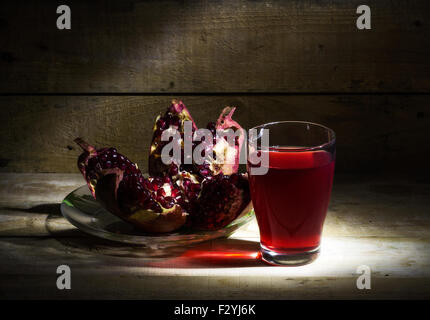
(123, 61)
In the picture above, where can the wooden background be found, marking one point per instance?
(123, 61)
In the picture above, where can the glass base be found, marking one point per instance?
(288, 259)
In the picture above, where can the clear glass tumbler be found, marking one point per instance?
(291, 198)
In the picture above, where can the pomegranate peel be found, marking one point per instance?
(227, 154)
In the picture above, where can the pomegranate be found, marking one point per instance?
(226, 153)
(205, 196)
(213, 202)
(94, 163)
(212, 192)
(152, 204)
(174, 118)
(221, 200)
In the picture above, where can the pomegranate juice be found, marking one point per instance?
(291, 199)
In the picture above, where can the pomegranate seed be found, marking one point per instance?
(161, 192)
(195, 187)
(158, 181)
(186, 183)
(161, 124)
(173, 171)
(204, 172)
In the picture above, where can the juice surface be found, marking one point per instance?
(291, 199)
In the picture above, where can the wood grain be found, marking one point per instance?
(215, 46)
(375, 133)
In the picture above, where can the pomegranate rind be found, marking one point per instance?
(167, 221)
(143, 219)
(106, 190)
(227, 156)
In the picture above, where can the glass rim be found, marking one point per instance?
(295, 149)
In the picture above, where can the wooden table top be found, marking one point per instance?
(378, 222)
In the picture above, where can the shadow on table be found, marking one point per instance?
(48, 208)
(221, 253)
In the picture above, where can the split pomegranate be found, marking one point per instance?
(150, 204)
(174, 118)
(205, 196)
(213, 194)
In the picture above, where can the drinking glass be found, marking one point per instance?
(291, 199)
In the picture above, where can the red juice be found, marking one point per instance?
(291, 199)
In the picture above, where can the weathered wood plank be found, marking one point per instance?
(375, 133)
(215, 46)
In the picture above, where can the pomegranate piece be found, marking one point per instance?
(152, 205)
(212, 192)
(174, 118)
(139, 206)
(94, 164)
(226, 152)
(221, 200)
